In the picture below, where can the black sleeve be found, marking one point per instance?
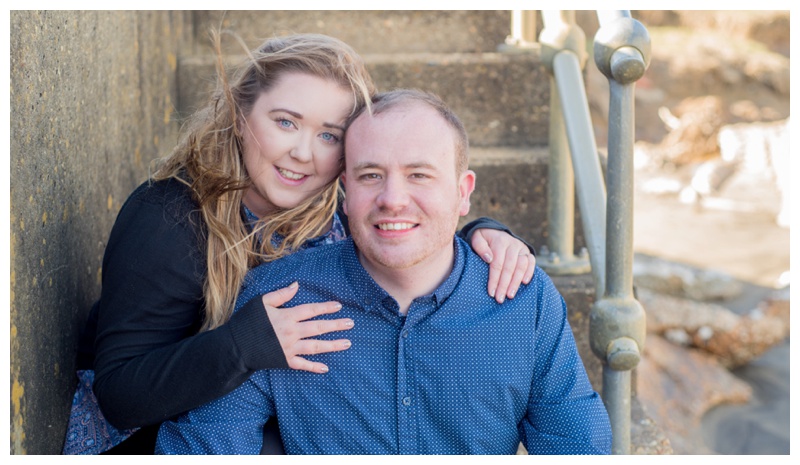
(487, 223)
(150, 362)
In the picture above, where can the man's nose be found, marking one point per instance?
(394, 195)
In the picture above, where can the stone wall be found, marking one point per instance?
(92, 102)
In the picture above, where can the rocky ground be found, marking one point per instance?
(711, 236)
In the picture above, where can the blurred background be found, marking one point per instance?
(712, 221)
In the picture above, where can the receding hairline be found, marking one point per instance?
(403, 100)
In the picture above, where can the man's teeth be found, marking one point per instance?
(394, 226)
(290, 174)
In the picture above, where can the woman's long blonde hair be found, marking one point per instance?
(208, 159)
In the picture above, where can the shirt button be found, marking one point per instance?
(406, 401)
(405, 333)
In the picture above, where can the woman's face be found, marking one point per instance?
(293, 141)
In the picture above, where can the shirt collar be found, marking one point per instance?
(449, 285)
(371, 295)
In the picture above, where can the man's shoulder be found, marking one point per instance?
(476, 269)
(312, 257)
(309, 264)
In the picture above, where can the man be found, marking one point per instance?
(436, 365)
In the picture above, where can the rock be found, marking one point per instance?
(732, 339)
(677, 386)
(710, 175)
(694, 134)
(681, 280)
(647, 437)
(760, 154)
(771, 70)
(667, 313)
(759, 331)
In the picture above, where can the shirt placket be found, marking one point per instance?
(407, 411)
(407, 400)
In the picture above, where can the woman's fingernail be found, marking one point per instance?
(349, 324)
(293, 285)
(337, 306)
(487, 257)
(346, 344)
(492, 291)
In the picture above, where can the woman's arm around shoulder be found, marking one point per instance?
(150, 362)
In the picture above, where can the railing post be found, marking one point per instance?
(523, 32)
(617, 320)
(572, 150)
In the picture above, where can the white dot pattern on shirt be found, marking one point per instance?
(479, 376)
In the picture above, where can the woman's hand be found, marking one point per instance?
(510, 261)
(293, 330)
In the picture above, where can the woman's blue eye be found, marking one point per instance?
(328, 137)
(285, 123)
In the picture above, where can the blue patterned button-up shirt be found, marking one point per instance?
(460, 374)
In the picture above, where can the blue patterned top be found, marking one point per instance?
(335, 234)
(460, 374)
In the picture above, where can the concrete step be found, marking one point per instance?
(511, 187)
(365, 31)
(503, 99)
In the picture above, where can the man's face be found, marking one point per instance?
(403, 196)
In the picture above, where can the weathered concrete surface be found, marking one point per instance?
(368, 31)
(511, 187)
(92, 98)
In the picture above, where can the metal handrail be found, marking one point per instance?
(616, 323)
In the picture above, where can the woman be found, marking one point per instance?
(254, 178)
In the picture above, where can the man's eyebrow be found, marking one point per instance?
(371, 165)
(299, 116)
(420, 164)
(365, 166)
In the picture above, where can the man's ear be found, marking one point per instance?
(465, 187)
(343, 179)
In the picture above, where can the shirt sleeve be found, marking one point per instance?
(150, 362)
(230, 425)
(564, 415)
(484, 222)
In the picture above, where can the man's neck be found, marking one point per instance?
(406, 284)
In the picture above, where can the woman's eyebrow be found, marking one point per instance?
(284, 110)
(299, 116)
(333, 126)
